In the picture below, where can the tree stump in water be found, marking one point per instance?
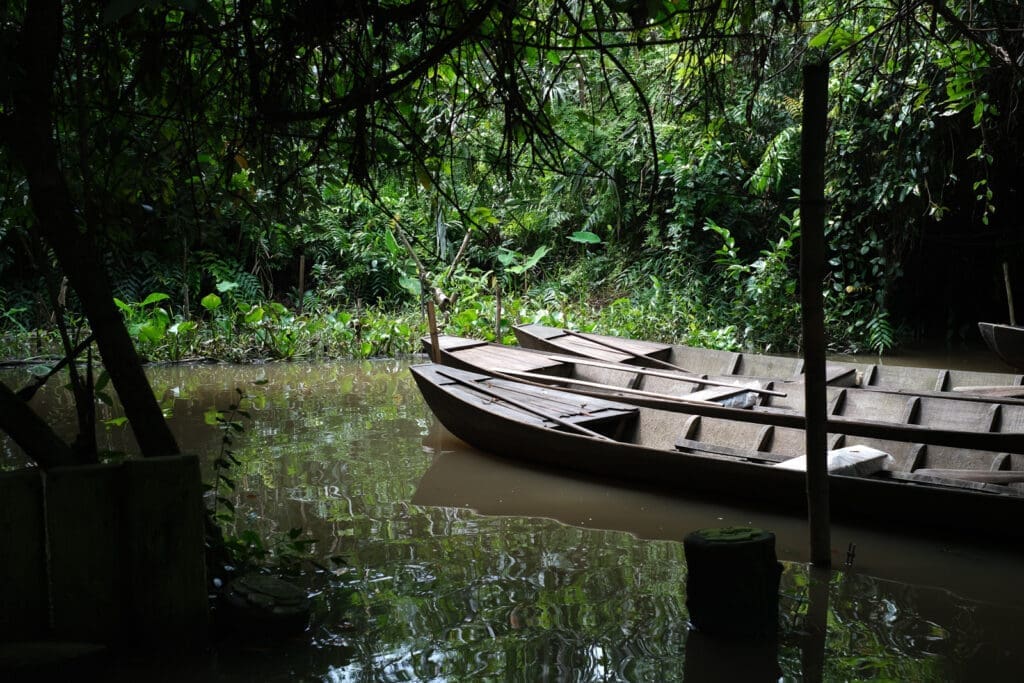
(732, 585)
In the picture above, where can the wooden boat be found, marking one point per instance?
(1006, 341)
(971, 491)
(944, 419)
(879, 377)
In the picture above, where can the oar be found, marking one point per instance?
(610, 387)
(476, 386)
(613, 347)
(684, 377)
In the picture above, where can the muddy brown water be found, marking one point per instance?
(461, 566)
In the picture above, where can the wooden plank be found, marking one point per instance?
(623, 346)
(999, 391)
(683, 444)
(764, 438)
(1001, 462)
(732, 365)
(837, 403)
(911, 411)
(691, 426)
(494, 359)
(995, 416)
(924, 479)
(984, 476)
(163, 522)
(86, 541)
(24, 594)
(449, 342)
(497, 395)
(665, 374)
(683, 398)
(840, 376)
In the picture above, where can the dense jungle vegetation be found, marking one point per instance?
(244, 179)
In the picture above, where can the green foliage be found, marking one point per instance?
(764, 290)
(146, 322)
(279, 175)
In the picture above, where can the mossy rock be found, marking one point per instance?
(266, 604)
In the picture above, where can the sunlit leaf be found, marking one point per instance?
(210, 302)
(585, 237)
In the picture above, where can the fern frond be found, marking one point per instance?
(769, 173)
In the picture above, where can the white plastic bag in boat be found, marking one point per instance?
(853, 461)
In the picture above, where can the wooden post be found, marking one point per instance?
(812, 271)
(302, 281)
(732, 582)
(1009, 292)
(497, 310)
(435, 343)
(815, 630)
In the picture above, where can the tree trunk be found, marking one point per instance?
(29, 134)
(31, 432)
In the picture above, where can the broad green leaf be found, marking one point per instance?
(411, 284)
(226, 286)
(584, 237)
(152, 331)
(210, 302)
(390, 242)
(507, 256)
(153, 298)
(833, 36)
(254, 315)
(539, 254)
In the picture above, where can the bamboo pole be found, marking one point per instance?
(812, 271)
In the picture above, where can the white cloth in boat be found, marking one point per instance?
(854, 461)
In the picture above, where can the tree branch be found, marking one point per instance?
(31, 432)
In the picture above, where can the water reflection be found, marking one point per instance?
(463, 567)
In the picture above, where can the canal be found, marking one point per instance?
(457, 566)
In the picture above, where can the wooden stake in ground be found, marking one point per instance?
(435, 345)
(1009, 292)
(812, 272)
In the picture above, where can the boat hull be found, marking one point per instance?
(946, 420)
(485, 425)
(1006, 341)
(876, 376)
